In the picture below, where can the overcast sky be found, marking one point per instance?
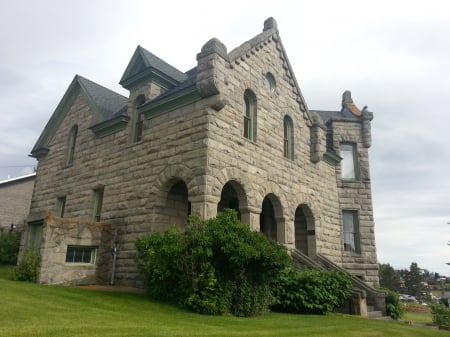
(393, 55)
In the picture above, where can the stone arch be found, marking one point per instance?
(172, 192)
(178, 171)
(176, 204)
(305, 230)
(265, 188)
(237, 179)
(248, 193)
(271, 219)
(232, 196)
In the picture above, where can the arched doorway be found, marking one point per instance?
(177, 206)
(305, 234)
(230, 197)
(270, 210)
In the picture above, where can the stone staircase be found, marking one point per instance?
(365, 300)
(376, 314)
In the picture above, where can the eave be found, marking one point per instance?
(169, 103)
(110, 126)
(149, 75)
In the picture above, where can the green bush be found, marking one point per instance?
(394, 307)
(310, 291)
(444, 301)
(440, 314)
(216, 266)
(28, 268)
(9, 247)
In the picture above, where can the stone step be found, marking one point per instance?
(370, 308)
(374, 314)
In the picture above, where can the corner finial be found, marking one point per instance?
(270, 23)
(214, 45)
(347, 98)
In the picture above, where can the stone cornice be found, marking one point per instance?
(331, 158)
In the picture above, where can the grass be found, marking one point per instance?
(38, 310)
(417, 317)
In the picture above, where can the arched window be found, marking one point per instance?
(139, 119)
(71, 144)
(249, 115)
(288, 138)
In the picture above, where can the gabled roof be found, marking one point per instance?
(105, 103)
(271, 32)
(144, 64)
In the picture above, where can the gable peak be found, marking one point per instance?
(270, 23)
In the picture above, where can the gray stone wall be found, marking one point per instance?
(58, 234)
(15, 199)
(260, 166)
(136, 176)
(357, 195)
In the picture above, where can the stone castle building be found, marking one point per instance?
(232, 132)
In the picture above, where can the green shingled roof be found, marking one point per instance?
(107, 102)
(143, 61)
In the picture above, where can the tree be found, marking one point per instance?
(389, 278)
(415, 281)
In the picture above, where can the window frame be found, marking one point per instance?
(351, 231)
(61, 206)
(35, 232)
(345, 164)
(269, 82)
(139, 119)
(250, 115)
(73, 250)
(98, 203)
(71, 145)
(288, 138)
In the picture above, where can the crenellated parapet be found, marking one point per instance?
(366, 133)
(211, 72)
(318, 138)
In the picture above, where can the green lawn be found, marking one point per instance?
(28, 309)
(417, 317)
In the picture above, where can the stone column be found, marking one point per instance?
(205, 207)
(250, 216)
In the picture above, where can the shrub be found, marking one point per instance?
(444, 301)
(440, 314)
(9, 247)
(310, 291)
(394, 307)
(28, 268)
(217, 265)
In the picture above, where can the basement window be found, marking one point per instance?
(81, 254)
